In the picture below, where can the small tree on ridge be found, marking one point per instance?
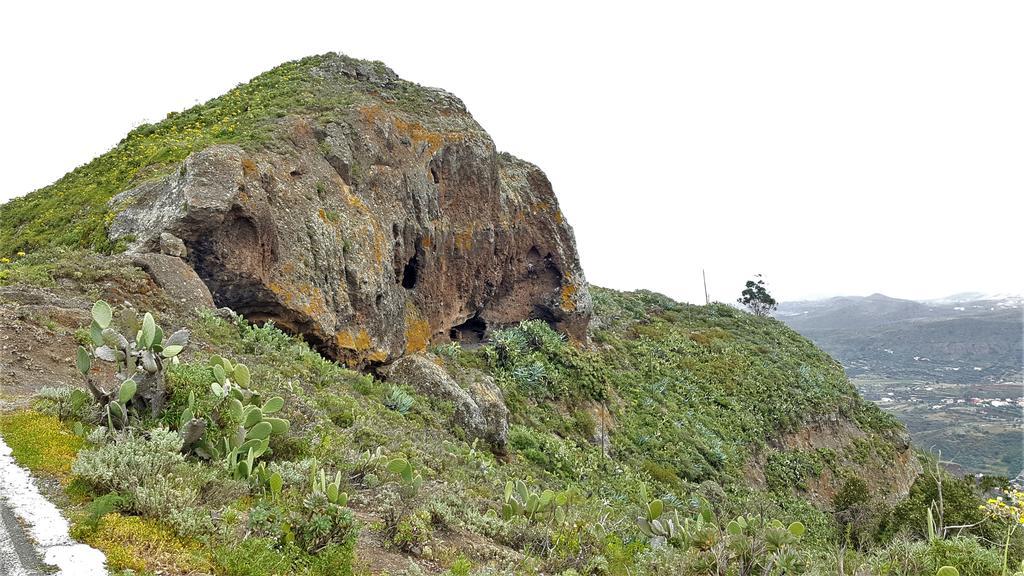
(756, 297)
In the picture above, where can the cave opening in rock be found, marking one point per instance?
(469, 333)
(410, 273)
(231, 263)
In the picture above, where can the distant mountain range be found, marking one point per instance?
(966, 338)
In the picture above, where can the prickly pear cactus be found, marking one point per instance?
(239, 426)
(140, 357)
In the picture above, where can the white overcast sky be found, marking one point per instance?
(835, 147)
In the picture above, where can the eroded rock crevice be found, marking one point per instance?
(409, 273)
(472, 332)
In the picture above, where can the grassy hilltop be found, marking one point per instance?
(73, 211)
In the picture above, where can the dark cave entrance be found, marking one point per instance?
(469, 333)
(410, 273)
(231, 263)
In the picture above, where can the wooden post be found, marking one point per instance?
(705, 276)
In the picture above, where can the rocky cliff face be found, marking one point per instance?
(374, 229)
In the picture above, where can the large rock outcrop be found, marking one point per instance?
(373, 230)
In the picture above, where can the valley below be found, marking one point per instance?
(975, 428)
(950, 370)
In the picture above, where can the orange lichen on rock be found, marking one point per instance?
(358, 341)
(353, 199)
(544, 207)
(568, 293)
(417, 330)
(358, 347)
(248, 167)
(371, 113)
(464, 240)
(285, 293)
(313, 300)
(306, 298)
(378, 243)
(417, 133)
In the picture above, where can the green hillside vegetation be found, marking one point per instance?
(692, 392)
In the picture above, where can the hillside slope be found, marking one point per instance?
(320, 326)
(681, 399)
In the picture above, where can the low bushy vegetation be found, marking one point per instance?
(687, 398)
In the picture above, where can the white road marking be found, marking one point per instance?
(46, 525)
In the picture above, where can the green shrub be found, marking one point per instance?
(319, 523)
(661, 473)
(853, 492)
(150, 472)
(961, 507)
(399, 400)
(789, 469)
(127, 462)
(173, 499)
(264, 339)
(66, 403)
(295, 473)
(413, 531)
(267, 557)
(100, 507)
(340, 410)
(537, 364)
(903, 557)
(187, 379)
(856, 514)
(253, 557)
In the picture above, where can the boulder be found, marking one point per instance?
(171, 245)
(177, 278)
(479, 408)
(374, 230)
